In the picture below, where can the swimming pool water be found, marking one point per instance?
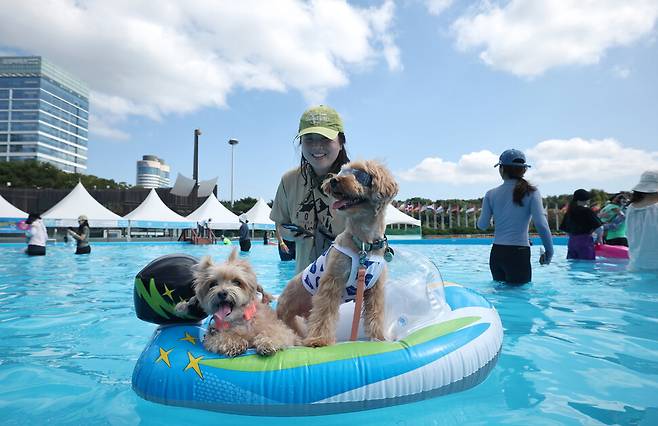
(580, 346)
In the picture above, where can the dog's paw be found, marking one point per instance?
(377, 336)
(212, 342)
(233, 348)
(316, 342)
(266, 347)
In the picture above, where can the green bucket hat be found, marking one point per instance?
(322, 120)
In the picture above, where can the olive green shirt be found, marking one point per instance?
(310, 208)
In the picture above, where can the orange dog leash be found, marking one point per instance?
(360, 289)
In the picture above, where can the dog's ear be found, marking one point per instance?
(185, 306)
(384, 184)
(200, 269)
(233, 256)
(191, 307)
(266, 297)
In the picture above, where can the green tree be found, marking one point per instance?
(243, 205)
(35, 174)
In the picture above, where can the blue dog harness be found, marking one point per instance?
(374, 265)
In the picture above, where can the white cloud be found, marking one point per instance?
(528, 37)
(475, 167)
(436, 7)
(621, 72)
(181, 56)
(581, 159)
(554, 160)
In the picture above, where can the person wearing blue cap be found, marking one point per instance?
(512, 205)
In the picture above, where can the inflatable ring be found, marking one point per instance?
(449, 343)
(611, 252)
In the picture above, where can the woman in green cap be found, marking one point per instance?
(300, 207)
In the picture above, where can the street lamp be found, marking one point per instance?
(232, 142)
(195, 171)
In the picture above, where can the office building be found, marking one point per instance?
(152, 172)
(44, 114)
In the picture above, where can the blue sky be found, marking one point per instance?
(435, 89)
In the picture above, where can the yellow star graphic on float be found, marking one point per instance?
(189, 338)
(168, 292)
(194, 364)
(164, 356)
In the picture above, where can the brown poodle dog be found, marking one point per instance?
(228, 291)
(363, 190)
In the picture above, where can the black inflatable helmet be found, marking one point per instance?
(162, 284)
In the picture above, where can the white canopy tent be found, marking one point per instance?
(80, 202)
(8, 211)
(221, 217)
(395, 216)
(259, 216)
(10, 216)
(153, 213)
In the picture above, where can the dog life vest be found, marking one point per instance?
(313, 272)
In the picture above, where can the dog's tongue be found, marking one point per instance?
(339, 204)
(222, 313)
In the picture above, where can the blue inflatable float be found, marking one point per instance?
(444, 338)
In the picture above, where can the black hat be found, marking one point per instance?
(32, 217)
(581, 195)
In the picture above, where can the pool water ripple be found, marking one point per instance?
(580, 347)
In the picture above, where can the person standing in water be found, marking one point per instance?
(512, 205)
(81, 236)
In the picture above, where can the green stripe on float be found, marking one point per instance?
(299, 356)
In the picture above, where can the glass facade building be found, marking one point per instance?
(44, 113)
(152, 172)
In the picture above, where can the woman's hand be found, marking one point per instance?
(284, 247)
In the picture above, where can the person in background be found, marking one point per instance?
(245, 240)
(300, 206)
(225, 240)
(266, 238)
(81, 236)
(580, 222)
(512, 205)
(642, 223)
(36, 236)
(614, 221)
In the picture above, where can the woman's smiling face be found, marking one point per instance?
(320, 152)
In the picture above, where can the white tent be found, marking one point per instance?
(222, 218)
(259, 216)
(8, 211)
(394, 216)
(10, 216)
(153, 213)
(78, 202)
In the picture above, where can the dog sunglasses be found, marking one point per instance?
(362, 177)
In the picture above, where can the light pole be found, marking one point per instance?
(195, 170)
(232, 142)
